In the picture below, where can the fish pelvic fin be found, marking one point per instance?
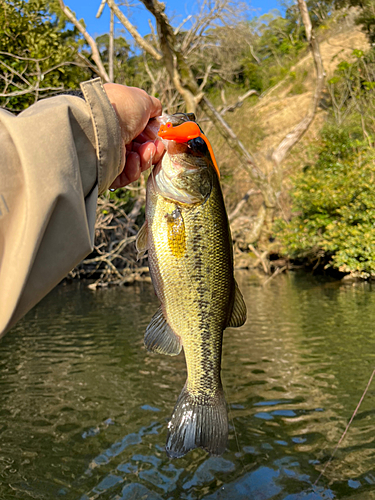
(239, 312)
(160, 337)
(141, 242)
(197, 424)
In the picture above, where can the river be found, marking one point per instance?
(84, 407)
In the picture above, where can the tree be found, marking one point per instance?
(121, 57)
(38, 55)
(334, 206)
(172, 49)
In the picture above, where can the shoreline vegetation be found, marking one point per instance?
(286, 99)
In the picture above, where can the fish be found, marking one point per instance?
(187, 236)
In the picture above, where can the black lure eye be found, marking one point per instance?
(198, 145)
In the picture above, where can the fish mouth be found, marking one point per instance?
(178, 160)
(172, 147)
(176, 119)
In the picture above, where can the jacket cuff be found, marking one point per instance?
(107, 133)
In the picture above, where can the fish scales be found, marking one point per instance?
(189, 246)
(195, 289)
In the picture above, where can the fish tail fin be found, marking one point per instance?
(198, 423)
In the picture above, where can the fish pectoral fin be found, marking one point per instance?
(141, 242)
(238, 317)
(160, 337)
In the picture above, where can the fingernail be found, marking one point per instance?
(157, 142)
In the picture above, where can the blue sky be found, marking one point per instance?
(87, 10)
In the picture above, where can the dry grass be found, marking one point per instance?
(262, 126)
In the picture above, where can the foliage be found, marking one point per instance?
(366, 18)
(128, 68)
(242, 54)
(37, 54)
(276, 42)
(352, 90)
(334, 205)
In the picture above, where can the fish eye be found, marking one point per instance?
(198, 145)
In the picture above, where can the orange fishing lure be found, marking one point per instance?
(185, 132)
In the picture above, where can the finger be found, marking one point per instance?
(146, 154)
(131, 172)
(152, 128)
(160, 150)
(150, 133)
(120, 181)
(149, 152)
(133, 166)
(153, 104)
(143, 137)
(156, 107)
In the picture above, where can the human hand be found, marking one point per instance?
(134, 109)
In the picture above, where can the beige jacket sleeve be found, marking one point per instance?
(55, 157)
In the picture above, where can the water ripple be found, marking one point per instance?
(84, 407)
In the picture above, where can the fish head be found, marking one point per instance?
(186, 172)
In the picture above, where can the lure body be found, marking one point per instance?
(184, 133)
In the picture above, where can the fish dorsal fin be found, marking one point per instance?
(141, 242)
(238, 317)
(160, 337)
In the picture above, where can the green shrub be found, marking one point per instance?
(334, 206)
(38, 53)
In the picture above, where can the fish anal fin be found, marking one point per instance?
(141, 242)
(238, 316)
(160, 337)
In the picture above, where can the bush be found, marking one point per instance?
(38, 54)
(334, 206)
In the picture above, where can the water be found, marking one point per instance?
(84, 408)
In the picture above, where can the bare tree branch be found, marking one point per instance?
(101, 8)
(91, 42)
(205, 78)
(12, 70)
(65, 63)
(251, 48)
(29, 90)
(226, 131)
(261, 258)
(240, 101)
(133, 31)
(24, 58)
(177, 30)
(299, 130)
(31, 84)
(154, 38)
(89, 64)
(242, 203)
(111, 45)
(278, 271)
(223, 98)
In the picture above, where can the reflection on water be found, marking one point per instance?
(84, 408)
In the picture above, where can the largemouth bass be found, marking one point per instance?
(189, 246)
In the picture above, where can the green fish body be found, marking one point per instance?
(190, 254)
